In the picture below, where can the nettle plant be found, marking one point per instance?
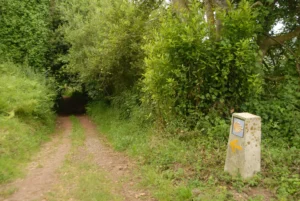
(190, 70)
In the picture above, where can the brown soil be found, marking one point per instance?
(117, 165)
(42, 174)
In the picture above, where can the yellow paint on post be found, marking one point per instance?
(243, 148)
(233, 145)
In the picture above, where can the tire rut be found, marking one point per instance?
(41, 173)
(117, 166)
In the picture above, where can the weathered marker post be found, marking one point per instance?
(243, 151)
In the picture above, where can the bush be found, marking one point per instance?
(24, 93)
(24, 33)
(189, 72)
(105, 38)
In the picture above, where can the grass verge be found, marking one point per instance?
(189, 165)
(19, 140)
(26, 117)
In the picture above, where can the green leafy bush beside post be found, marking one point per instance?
(188, 71)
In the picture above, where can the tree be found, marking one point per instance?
(24, 31)
(189, 71)
(105, 38)
(270, 12)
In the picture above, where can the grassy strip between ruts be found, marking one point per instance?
(190, 167)
(80, 179)
(77, 135)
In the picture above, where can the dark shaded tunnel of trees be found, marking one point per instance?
(72, 105)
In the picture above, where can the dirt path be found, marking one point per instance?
(41, 172)
(44, 175)
(117, 165)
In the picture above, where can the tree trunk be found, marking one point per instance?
(213, 21)
(210, 15)
(223, 5)
(269, 41)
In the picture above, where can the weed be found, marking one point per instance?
(7, 192)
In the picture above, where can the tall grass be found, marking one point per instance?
(179, 164)
(26, 117)
(24, 92)
(172, 167)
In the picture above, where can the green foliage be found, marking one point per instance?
(279, 104)
(26, 116)
(24, 31)
(23, 92)
(283, 166)
(233, 29)
(269, 15)
(189, 72)
(94, 109)
(58, 49)
(105, 42)
(176, 160)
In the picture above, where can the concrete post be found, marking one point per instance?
(243, 151)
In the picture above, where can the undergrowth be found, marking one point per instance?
(189, 165)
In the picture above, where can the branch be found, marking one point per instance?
(270, 41)
(288, 49)
(221, 3)
(274, 78)
(258, 3)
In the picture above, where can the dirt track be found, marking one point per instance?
(42, 173)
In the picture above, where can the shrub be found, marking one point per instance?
(24, 93)
(106, 40)
(24, 32)
(189, 72)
